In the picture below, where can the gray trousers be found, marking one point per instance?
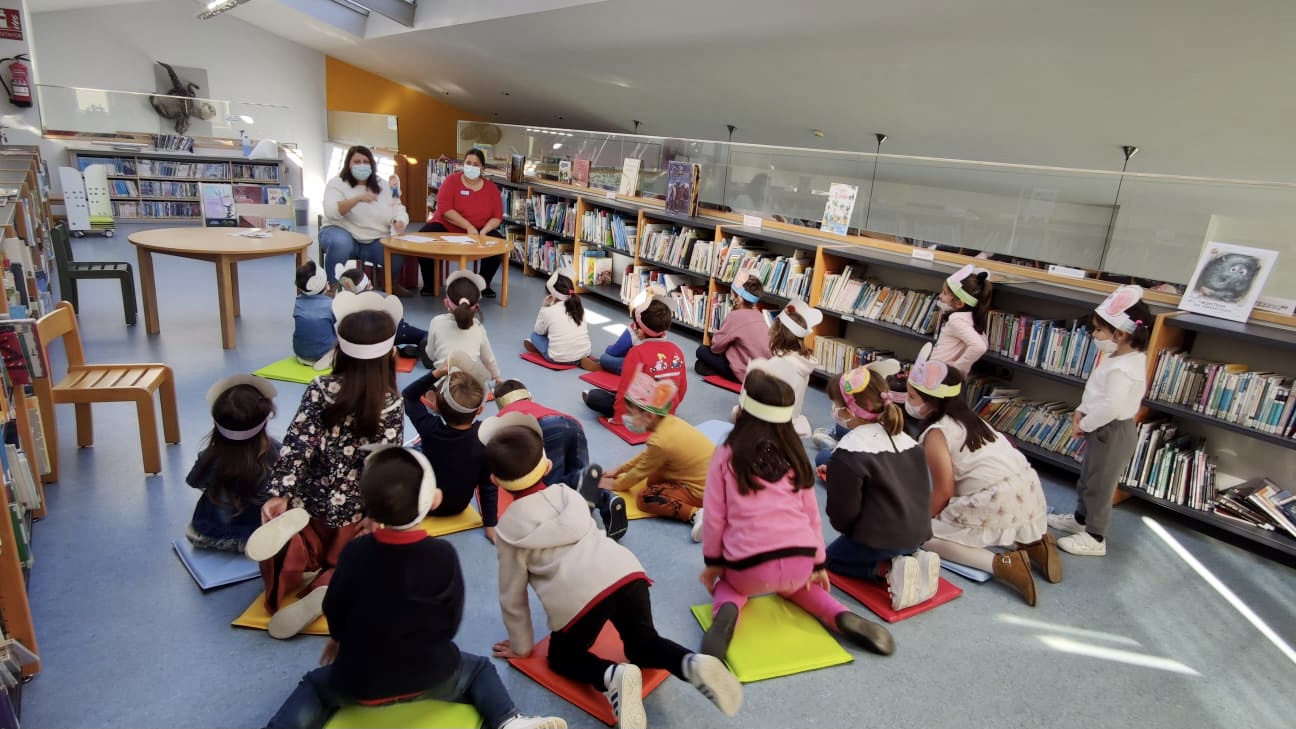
(1108, 451)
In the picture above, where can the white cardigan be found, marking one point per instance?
(568, 341)
(366, 221)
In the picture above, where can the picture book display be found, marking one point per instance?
(682, 187)
(248, 194)
(565, 171)
(580, 172)
(838, 209)
(218, 205)
(1228, 280)
(517, 166)
(278, 195)
(629, 177)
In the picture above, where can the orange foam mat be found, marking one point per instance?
(723, 383)
(874, 596)
(586, 697)
(603, 380)
(405, 364)
(538, 359)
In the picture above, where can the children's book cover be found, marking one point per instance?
(580, 172)
(278, 195)
(838, 209)
(248, 195)
(629, 177)
(565, 171)
(1228, 280)
(517, 166)
(218, 205)
(681, 187)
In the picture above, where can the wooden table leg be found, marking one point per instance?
(504, 283)
(387, 275)
(225, 293)
(148, 290)
(234, 288)
(302, 255)
(436, 276)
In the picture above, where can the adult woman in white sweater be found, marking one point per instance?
(359, 210)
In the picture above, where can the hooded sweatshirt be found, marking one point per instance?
(742, 337)
(548, 540)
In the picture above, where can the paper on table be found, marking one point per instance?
(252, 233)
(414, 238)
(458, 239)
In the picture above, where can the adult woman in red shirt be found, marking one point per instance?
(467, 203)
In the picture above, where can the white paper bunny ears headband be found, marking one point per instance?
(463, 362)
(491, 427)
(346, 303)
(928, 375)
(640, 303)
(552, 283)
(765, 411)
(812, 317)
(1113, 308)
(318, 280)
(427, 484)
(261, 384)
(955, 283)
(363, 285)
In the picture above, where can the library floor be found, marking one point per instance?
(1167, 631)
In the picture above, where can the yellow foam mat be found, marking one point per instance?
(289, 369)
(256, 616)
(776, 638)
(425, 714)
(632, 501)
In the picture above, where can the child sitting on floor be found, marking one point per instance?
(965, 310)
(744, 335)
(352, 278)
(313, 319)
(613, 358)
(879, 490)
(656, 356)
(561, 334)
(548, 541)
(448, 437)
(673, 462)
(564, 436)
(396, 602)
(234, 467)
(459, 330)
(790, 359)
(316, 474)
(762, 529)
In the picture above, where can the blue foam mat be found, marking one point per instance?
(212, 568)
(963, 570)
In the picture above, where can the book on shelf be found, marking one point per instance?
(836, 355)
(260, 173)
(838, 208)
(871, 299)
(1046, 425)
(682, 179)
(1228, 391)
(580, 172)
(596, 268)
(172, 143)
(165, 188)
(554, 214)
(247, 195)
(517, 167)
(547, 255)
(721, 306)
(1171, 465)
(1055, 345)
(565, 171)
(277, 195)
(441, 168)
(1258, 502)
(787, 276)
(25, 490)
(218, 205)
(607, 228)
(514, 203)
(123, 187)
(690, 304)
(669, 244)
(629, 185)
(24, 359)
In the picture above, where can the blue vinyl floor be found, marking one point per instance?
(1138, 638)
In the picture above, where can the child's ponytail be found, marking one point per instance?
(462, 298)
(563, 286)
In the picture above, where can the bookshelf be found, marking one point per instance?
(1028, 294)
(16, 526)
(24, 225)
(158, 186)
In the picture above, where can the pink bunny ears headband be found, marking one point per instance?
(928, 375)
(552, 284)
(812, 317)
(347, 303)
(856, 380)
(955, 283)
(1113, 308)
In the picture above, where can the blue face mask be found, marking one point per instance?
(361, 172)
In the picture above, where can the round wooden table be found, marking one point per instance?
(219, 246)
(435, 245)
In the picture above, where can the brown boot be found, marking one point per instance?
(590, 364)
(1013, 569)
(1044, 555)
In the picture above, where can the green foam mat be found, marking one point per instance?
(289, 369)
(412, 714)
(776, 638)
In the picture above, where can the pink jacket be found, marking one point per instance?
(742, 337)
(740, 531)
(959, 344)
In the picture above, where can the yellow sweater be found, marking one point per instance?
(676, 452)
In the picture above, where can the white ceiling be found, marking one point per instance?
(1203, 87)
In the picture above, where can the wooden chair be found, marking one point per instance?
(91, 383)
(70, 271)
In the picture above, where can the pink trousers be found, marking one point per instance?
(786, 576)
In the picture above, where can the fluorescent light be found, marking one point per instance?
(557, 145)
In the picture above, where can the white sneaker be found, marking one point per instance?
(822, 439)
(534, 722)
(697, 526)
(905, 582)
(293, 619)
(271, 536)
(625, 692)
(1083, 544)
(1065, 523)
(929, 565)
(709, 676)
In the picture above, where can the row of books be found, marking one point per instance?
(610, 229)
(868, 299)
(721, 307)
(690, 305)
(787, 276)
(836, 355)
(547, 255)
(1047, 425)
(669, 244)
(156, 209)
(118, 165)
(639, 277)
(514, 202)
(554, 214)
(595, 268)
(123, 187)
(1171, 465)
(163, 188)
(191, 170)
(1228, 391)
(1064, 347)
(260, 173)
(173, 143)
(1259, 503)
(439, 169)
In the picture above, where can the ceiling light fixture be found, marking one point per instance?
(216, 7)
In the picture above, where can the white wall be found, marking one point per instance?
(116, 48)
(21, 126)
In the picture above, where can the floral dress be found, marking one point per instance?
(318, 467)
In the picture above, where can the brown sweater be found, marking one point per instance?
(879, 489)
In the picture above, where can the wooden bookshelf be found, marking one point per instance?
(27, 217)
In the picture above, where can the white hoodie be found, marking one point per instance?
(367, 221)
(548, 539)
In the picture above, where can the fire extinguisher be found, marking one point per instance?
(18, 86)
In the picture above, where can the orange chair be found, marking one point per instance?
(91, 383)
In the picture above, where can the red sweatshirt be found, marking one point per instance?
(659, 358)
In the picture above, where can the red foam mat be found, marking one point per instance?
(584, 696)
(405, 364)
(874, 596)
(621, 432)
(723, 383)
(603, 380)
(535, 358)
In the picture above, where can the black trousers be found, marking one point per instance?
(600, 401)
(630, 612)
(489, 266)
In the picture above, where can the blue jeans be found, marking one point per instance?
(613, 358)
(339, 246)
(824, 454)
(315, 701)
(217, 526)
(611, 363)
(541, 342)
(852, 559)
(567, 448)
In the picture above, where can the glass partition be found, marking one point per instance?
(1029, 214)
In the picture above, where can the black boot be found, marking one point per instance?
(866, 633)
(718, 636)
